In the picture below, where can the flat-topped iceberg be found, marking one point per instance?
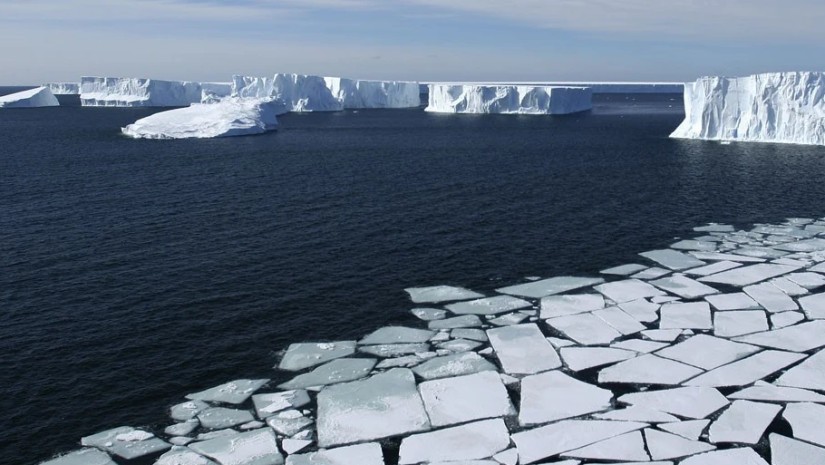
(228, 117)
(772, 107)
(64, 88)
(596, 87)
(32, 98)
(527, 100)
(137, 92)
(305, 93)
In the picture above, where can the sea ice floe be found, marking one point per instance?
(628, 446)
(469, 333)
(799, 338)
(690, 429)
(470, 441)
(337, 371)
(662, 335)
(509, 319)
(187, 410)
(641, 309)
(684, 287)
(788, 287)
(220, 417)
(653, 272)
(463, 321)
(806, 245)
(734, 301)
(741, 456)
(461, 399)
(787, 451)
(522, 349)
(693, 315)
(583, 358)
(289, 422)
(585, 328)
(639, 345)
(394, 350)
(693, 244)
(648, 369)
(293, 446)
(396, 335)
(183, 428)
(785, 319)
(233, 392)
(772, 393)
(732, 324)
(619, 320)
(126, 442)
(183, 456)
(459, 364)
(707, 352)
(743, 422)
(640, 414)
(663, 446)
(572, 304)
(751, 274)
(747, 370)
(436, 294)
(459, 345)
(564, 436)
(306, 355)
(806, 421)
(361, 454)
(809, 374)
(713, 268)
(624, 270)
(429, 314)
(717, 256)
(672, 259)
(268, 404)
(258, 447)
(555, 396)
(627, 290)
(489, 305)
(688, 402)
(82, 457)
(771, 297)
(384, 405)
(714, 227)
(551, 286)
(813, 306)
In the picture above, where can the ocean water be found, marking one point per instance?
(134, 272)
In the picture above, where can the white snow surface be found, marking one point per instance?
(508, 99)
(137, 92)
(32, 98)
(786, 107)
(599, 87)
(226, 118)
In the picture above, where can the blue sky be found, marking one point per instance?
(481, 40)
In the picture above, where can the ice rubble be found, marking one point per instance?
(226, 118)
(603, 374)
(32, 98)
(508, 99)
(784, 107)
(137, 92)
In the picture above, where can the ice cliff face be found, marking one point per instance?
(212, 92)
(302, 93)
(228, 117)
(63, 88)
(137, 92)
(33, 98)
(530, 100)
(772, 107)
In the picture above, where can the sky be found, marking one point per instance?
(424, 40)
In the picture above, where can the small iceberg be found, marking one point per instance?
(33, 98)
(227, 118)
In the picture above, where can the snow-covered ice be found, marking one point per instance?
(583, 358)
(809, 374)
(488, 305)
(663, 446)
(732, 324)
(82, 457)
(258, 447)
(233, 392)
(397, 335)
(126, 442)
(771, 297)
(806, 421)
(436, 294)
(688, 402)
(463, 321)
(220, 417)
(553, 396)
(693, 315)
(460, 399)
(562, 305)
(624, 270)
(137, 92)
(743, 422)
(747, 370)
(772, 393)
(304, 355)
(556, 438)
(522, 349)
(689, 429)
(183, 456)
(619, 320)
(585, 328)
(813, 306)
(787, 451)
(33, 98)
(751, 274)
(740, 456)
(470, 441)
(673, 259)
(628, 290)
(684, 287)
(628, 446)
(648, 369)
(337, 371)
(356, 94)
(459, 364)
(707, 352)
(360, 454)
(508, 99)
(798, 338)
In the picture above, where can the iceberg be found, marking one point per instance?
(356, 94)
(229, 117)
(137, 92)
(63, 88)
(772, 107)
(33, 98)
(508, 99)
(597, 87)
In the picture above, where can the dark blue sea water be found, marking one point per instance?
(134, 272)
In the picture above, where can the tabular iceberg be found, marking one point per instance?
(356, 94)
(528, 100)
(33, 98)
(63, 88)
(229, 117)
(212, 92)
(137, 92)
(596, 87)
(773, 107)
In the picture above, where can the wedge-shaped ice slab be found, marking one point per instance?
(556, 438)
(627, 290)
(624, 270)
(619, 320)
(741, 456)
(814, 306)
(470, 441)
(489, 305)
(748, 370)
(397, 335)
(82, 457)
(33, 98)
(684, 287)
(463, 321)
(233, 392)
(555, 396)
(648, 369)
(220, 417)
(748, 275)
(305, 355)
(693, 315)
(808, 280)
(641, 309)
(289, 422)
(183, 456)
(522, 349)
(461, 399)
(672, 259)
(464, 363)
(551, 286)
(651, 273)
(429, 314)
(187, 410)
(716, 256)
(628, 446)
(771, 297)
(640, 414)
(771, 393)
(586, 329)
(806, 421)
(734, 301)
(639, 345)
(809, 374)
(563, 305)
(713, 268)
(738, 323)
(787, 451)
(337, 371)
(361, 454)
(436, 294)
(582, 358)
(257, 447)
(707, 352)
(800, 338)
(688, 402)
(394, 350)
(663, 446)
(126, 442)
(691, 429)
(743, 422)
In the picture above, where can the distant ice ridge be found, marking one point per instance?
(773, 107)
(305, 93)
(228, 117)
(596, 87)
(63, 88)
(531, 100)
(137, 92)
(33, 98)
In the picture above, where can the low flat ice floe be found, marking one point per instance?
(707, 353)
